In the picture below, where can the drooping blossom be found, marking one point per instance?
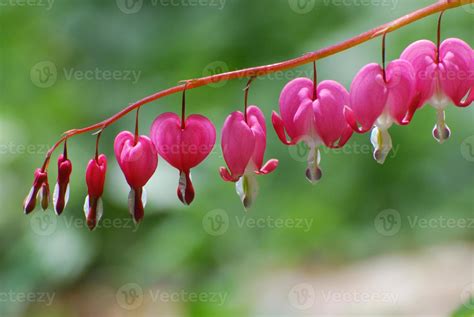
(61, 189)
(443, 77)
(138, 160)
(313, 115)
(184, 146)
(244, 140)
(95, 179)
(378, 99)
(39, 190)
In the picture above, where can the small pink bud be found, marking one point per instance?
(40, 189)
(95, 179)
(61, 190)
(138, 160)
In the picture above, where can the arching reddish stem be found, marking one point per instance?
(384, 38)
(439, 35)
(246, 97)
(315, 81)
(258, 71)
(183, 108)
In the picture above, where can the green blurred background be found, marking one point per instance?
(368, 240)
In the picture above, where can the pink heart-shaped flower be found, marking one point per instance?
(138, 160)
(183, 146)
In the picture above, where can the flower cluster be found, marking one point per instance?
(318, 114)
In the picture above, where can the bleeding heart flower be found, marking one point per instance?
(95, 179)
(443, 77)
(40, 189)
(61, 190)
(313, 116)
(243, 144)
(184, 146)
(378, 100)
(138, 160)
